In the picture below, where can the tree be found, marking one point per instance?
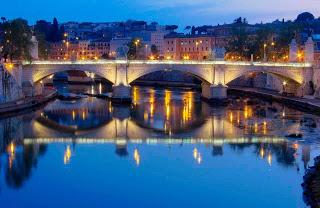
(238, 20)
(187, 29)
(43, 27)
(193, 30)
(41, 31)
(43, 45)
(239, 43)
(55, 33)
(287, 32)
(135, 47)
(3, 19)
(263, 43)
(17, 40)
(154, 51)
(171, 28)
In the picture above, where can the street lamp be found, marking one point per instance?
(284, 83)
(136, 43)
(264, 52)
(146, 51)
(186, 57)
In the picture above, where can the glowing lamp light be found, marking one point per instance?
(67, 155)
(270, 159)
(136, 156)
(11, 149)
(195, 153)
(299, 55)
(262, 153)
(186, 57)
(9, 66)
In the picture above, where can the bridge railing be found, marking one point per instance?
(170, 62)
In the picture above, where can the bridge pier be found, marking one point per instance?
(121, 94)
(215, 94)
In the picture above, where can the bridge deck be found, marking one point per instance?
(169, 62)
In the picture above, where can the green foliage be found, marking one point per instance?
(135, 47)
(240, 44)
(43, 45)
(16, 41)
(274, 41)
(154, 51)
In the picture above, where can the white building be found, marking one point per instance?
(157, 38)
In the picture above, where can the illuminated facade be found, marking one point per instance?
(191, 47)
(81, 50)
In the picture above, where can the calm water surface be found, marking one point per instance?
(168, 149)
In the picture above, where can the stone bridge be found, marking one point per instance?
(215, 75)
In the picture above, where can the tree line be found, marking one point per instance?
(270, 40)
(16, 34)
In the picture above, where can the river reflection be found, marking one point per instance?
(168, 149)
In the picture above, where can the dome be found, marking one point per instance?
(305, 17)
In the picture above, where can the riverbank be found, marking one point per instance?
(28, 102)
(303, 104)
(311, 184)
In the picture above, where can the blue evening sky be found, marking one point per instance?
(181, 12)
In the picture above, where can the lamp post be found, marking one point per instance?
(273, 45)
(136, 43)
(146, 50)
(284, 83)
(264, 52)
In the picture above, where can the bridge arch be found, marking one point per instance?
(38, 73)
(295, 75)
(204, 73)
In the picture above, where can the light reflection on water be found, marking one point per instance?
(168, 149)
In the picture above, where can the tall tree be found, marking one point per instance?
(17, 40)
(154, 51)
(43, 46)
(239, 43)
(135, 47)
(54, 31)
(41, 31)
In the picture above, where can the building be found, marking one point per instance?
(63, 50)
(98, 49)
(81, 50)
(157, 38)
(194, 47)
(316, 39)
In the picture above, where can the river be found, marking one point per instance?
(168, 149)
